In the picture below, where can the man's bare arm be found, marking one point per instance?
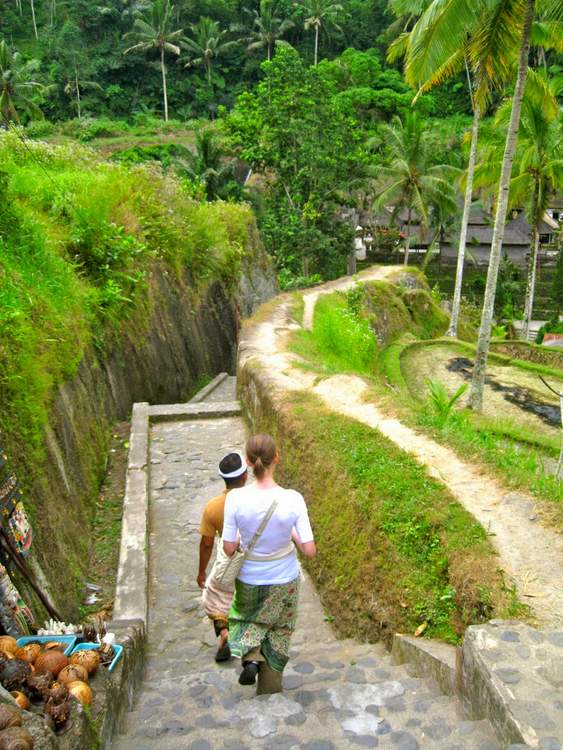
(205, 551)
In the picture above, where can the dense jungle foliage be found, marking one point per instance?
(99, 73)
(323, 115)
(88, 40)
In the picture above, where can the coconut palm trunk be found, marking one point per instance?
(78, 103)
(32, 3)
(408, 242)
(456, 304)
(532, 269)
(484, 340)
(164, 86)
(316, 45)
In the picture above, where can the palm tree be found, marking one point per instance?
(207, 164)
(32, 3)
(74, 87)
(483, 342)
(206, 44)
(452, 35)
(16, 85)
(267, 28)
(321, 14)
(153, 31)
(554, 9)
(540, 175)
(437, 48)
(538, 165)
(408, 180)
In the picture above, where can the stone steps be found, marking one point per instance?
(338, 694)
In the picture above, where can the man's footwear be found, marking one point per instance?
(223, 653)
(249, 671)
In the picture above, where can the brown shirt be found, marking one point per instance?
(213, 516)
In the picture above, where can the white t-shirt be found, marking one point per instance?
(245, 508)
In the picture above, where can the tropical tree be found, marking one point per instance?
(208, 166)
(483, 38)
(321, 15)
(206, 44)
(439, 47)
(153, 31)
(555, 10)
(408, 179)
(32, 4)
(267, 29)
(538, 166)
(75, 86)
(17, 85)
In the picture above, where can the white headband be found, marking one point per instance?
(237, 472)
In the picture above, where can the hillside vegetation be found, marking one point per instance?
(81, 242)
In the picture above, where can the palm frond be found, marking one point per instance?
(438, 34)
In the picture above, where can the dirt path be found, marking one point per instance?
(530, 554)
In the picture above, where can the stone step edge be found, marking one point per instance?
(209, 388)
(179, 412)
(429, 659)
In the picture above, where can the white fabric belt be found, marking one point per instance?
(279, 555)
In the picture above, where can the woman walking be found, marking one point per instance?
(264, 610)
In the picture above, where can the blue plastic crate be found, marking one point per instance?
(69, 639)
(95, 646)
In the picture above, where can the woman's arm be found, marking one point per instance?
(307, 549)
(230, 548)
(231, 538)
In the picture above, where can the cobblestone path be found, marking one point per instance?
(338, 694)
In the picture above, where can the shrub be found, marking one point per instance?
(39, 129)
(102, 128)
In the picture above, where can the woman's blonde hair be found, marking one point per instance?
(261, 452)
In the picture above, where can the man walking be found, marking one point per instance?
(217, 601)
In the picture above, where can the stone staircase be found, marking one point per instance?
(337, 693)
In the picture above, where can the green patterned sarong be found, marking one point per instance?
(264, 617)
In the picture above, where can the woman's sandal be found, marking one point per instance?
(249, 671)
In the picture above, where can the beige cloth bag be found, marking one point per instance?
(226, 569)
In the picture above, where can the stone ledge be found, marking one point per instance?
(512, 674)
(427, 658)
(179, 412)
(131, 590)
(209, 388)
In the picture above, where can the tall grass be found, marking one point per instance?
(78, 239)
(341, 339)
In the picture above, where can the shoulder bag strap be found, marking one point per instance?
(262, 526)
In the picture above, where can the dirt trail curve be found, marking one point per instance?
(530, 554)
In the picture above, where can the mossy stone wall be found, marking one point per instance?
(165, 346)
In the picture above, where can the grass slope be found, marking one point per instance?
(395, 548)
